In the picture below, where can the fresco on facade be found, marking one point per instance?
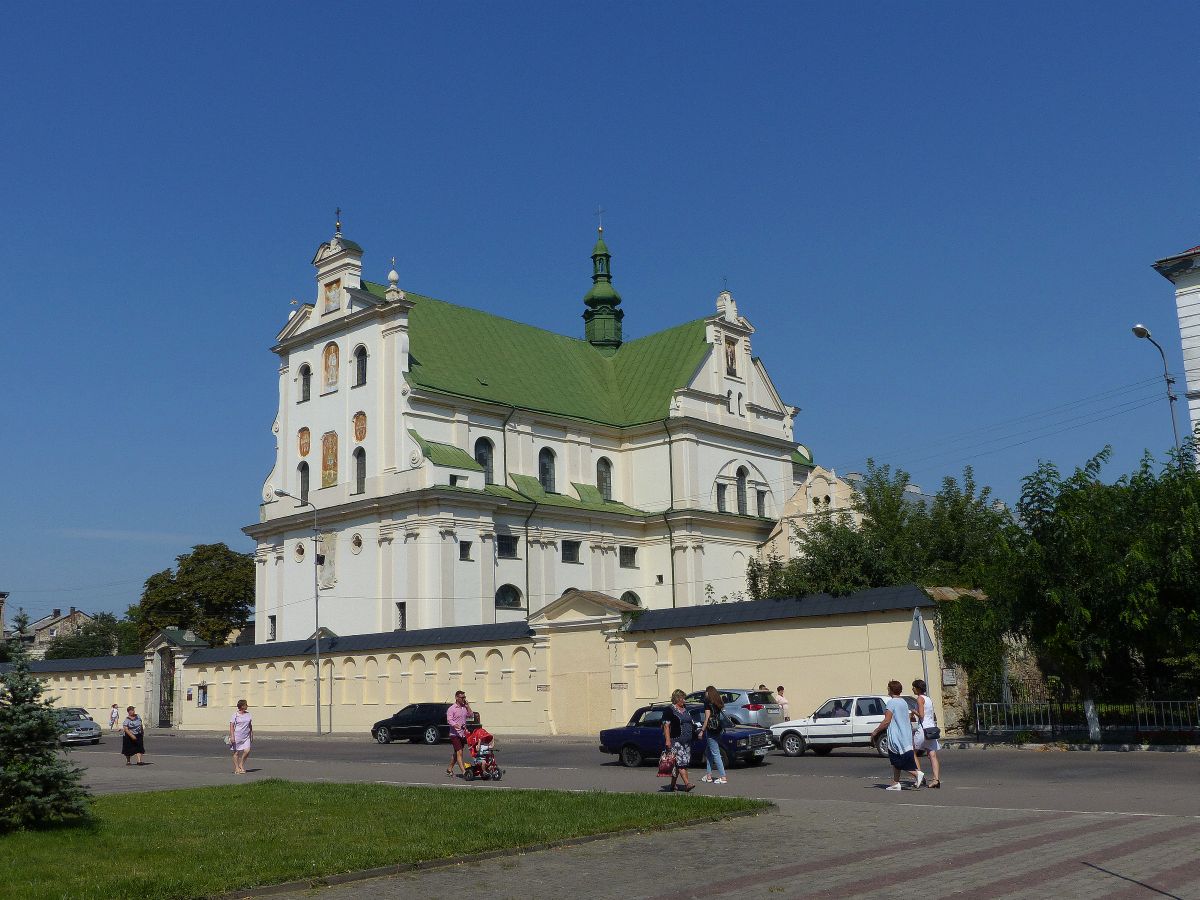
(305, 441)
(333, 295)
(360, 427)
(331, 366)
(329, 459)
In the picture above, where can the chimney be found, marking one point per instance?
(72, 610)
(57, 613)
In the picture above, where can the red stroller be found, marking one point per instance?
(481, 746)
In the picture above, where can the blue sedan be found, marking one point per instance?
(642, 739)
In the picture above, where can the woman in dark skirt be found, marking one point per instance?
(133, 737)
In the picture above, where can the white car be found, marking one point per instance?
(845, 721)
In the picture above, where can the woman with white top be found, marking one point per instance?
(927, 718)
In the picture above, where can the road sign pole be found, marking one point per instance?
(924, 659)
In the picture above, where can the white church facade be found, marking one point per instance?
(466, 469)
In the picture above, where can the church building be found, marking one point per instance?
(464, 469)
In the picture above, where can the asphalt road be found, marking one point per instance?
(1150, 783)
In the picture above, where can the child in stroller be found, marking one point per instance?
(481, 747)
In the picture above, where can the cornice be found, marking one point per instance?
(331, 327)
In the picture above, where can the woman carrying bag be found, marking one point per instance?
(711, 728)
(930, 733)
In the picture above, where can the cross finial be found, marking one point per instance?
(600, 217)
(337, 226)
(725, 281)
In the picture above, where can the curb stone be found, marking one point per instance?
(450, 861)
(1053, 746)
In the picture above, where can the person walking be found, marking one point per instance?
(114, 716)
(678, 732)
(457, 716)
(241, 732)
(927, 724)
(133, 736)
(783, 702)
(711, 729)
(897, 721)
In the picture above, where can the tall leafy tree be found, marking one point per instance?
(210, 592)
(1107, 584)
(38, 786)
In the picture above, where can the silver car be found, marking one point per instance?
(746, 707)
(77, 729)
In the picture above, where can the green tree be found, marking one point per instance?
(1107, 584)
(210, 592)
(38, 787)
(104, 635)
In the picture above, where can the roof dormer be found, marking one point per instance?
(339, 268)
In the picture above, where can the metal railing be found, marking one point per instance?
(1053, 717)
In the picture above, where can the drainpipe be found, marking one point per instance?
(512, 411)
(666, 514)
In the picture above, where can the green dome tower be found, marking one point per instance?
(602, 319)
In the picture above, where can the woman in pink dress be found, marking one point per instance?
(241, 730)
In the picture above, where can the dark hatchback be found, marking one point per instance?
(642, 739)
(417, 722)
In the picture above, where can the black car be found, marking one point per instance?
(417, 722)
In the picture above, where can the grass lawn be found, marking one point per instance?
(202, 841)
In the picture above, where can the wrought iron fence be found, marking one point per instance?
(1163, 718)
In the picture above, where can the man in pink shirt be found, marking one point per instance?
(457, 716)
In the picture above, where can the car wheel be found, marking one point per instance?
(793, 744)
(430, 735)
(822, 751)
(881, 745)
(383, 736)
(631, 756)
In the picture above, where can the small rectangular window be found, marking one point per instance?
(270, 628)
(401, 616)
(762, 504)
(506, 546)
(720, 498)
(456, 480)
(464, 551)
(202, 695)
(629, 557)
(570, 551)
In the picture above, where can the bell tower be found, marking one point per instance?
(602, 319)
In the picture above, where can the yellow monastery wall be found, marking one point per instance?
(97, 691)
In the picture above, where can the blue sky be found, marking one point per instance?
(939, 218)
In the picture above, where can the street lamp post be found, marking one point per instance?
(316, 598)
(1142, 331)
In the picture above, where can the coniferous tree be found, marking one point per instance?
(38, 786)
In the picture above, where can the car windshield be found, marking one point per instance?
(68, 715)
(761, 697)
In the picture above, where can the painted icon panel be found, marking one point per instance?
(305, 441)
(360, 426)
(330, 357)
(329, 459)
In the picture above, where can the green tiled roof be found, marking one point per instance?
(470, 353)
(445, 454)
(589, 497)
(801, 458)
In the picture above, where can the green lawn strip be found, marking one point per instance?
(202, 841)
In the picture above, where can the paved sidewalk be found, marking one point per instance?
(809, 849)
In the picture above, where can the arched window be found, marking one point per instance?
(546, 469)
(604, 478)
(483, 456)
(631, 597)
(303, 482)
(360, 471)
(741, 490)
(508, 597)
(305, 383)
(729, 401)
(741, 406)
(360, 366)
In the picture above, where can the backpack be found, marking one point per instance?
(716, 722)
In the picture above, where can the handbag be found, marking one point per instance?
(228, 741)
(666, 764)
(933, 734)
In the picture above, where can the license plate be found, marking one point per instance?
(761, 751)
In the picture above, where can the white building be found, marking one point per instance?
(467, 469)
(1183, 270)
